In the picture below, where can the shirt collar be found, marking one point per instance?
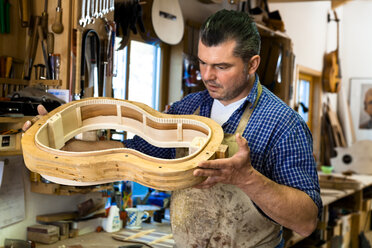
(251, 98)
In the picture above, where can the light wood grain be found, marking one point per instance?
(43, 141)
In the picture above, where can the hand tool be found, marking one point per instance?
(76, 95)
(44, 19)
(8, 66)
(93, 65)
(55, 62)
(50, 43)
(96, 5)
(112, 5)
(91, 11)
(104, 7)
(31, 50)
(82, 20)
(57, 26)
(89, 35)
(44, 49)
(87, 10)
(24, 10)
(100, 8)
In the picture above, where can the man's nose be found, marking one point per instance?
(208, 73)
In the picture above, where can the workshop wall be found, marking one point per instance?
(306, 25)
(38, 204)
(356, 40)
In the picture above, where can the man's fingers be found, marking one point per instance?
(41, 110)
(26, 125)
(207, 172)
(241, 141)
(208, 183)
(213, 164)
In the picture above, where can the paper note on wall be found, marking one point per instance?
(12, 196)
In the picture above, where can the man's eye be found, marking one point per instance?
(222, 67)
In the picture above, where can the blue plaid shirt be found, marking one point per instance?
(279, 140)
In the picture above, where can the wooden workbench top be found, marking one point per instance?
(104, 239)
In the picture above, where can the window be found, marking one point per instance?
(137, 70)
(308, 101)
(140, 80)
(304, 98)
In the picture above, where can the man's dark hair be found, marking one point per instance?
(227, 25)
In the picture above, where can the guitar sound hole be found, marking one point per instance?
(167, 15)
(347, 159)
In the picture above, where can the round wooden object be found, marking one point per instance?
(41, 144)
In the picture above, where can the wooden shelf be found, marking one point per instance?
(14, 81)
(57, 189)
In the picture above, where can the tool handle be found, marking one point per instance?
(44, 23)
(79, 36)
(43, 47)
(24, 12)
(50, 43)
(8, 66)
(57, 26)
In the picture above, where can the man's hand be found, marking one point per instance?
(235, 170)
(41, 110)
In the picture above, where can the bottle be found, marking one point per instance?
(112, 223)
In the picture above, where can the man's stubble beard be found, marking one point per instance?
(227, 96)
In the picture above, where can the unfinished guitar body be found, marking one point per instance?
(42, 143)
(357, 158)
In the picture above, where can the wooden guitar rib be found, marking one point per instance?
(41, 144)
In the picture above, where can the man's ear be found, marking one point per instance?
(253, 64)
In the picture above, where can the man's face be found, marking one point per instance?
(368, 104)
(224, 75)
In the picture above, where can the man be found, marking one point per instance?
(276, 171)
(270, 178)
(367, 109)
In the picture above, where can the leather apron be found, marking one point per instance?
(223, 215)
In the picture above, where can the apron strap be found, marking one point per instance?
(248, 112)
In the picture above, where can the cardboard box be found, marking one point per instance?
(46, 234)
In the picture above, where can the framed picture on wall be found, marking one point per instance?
(361, 107)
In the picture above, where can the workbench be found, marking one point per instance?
(351, 194)
(104, 239)
(344, 195)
